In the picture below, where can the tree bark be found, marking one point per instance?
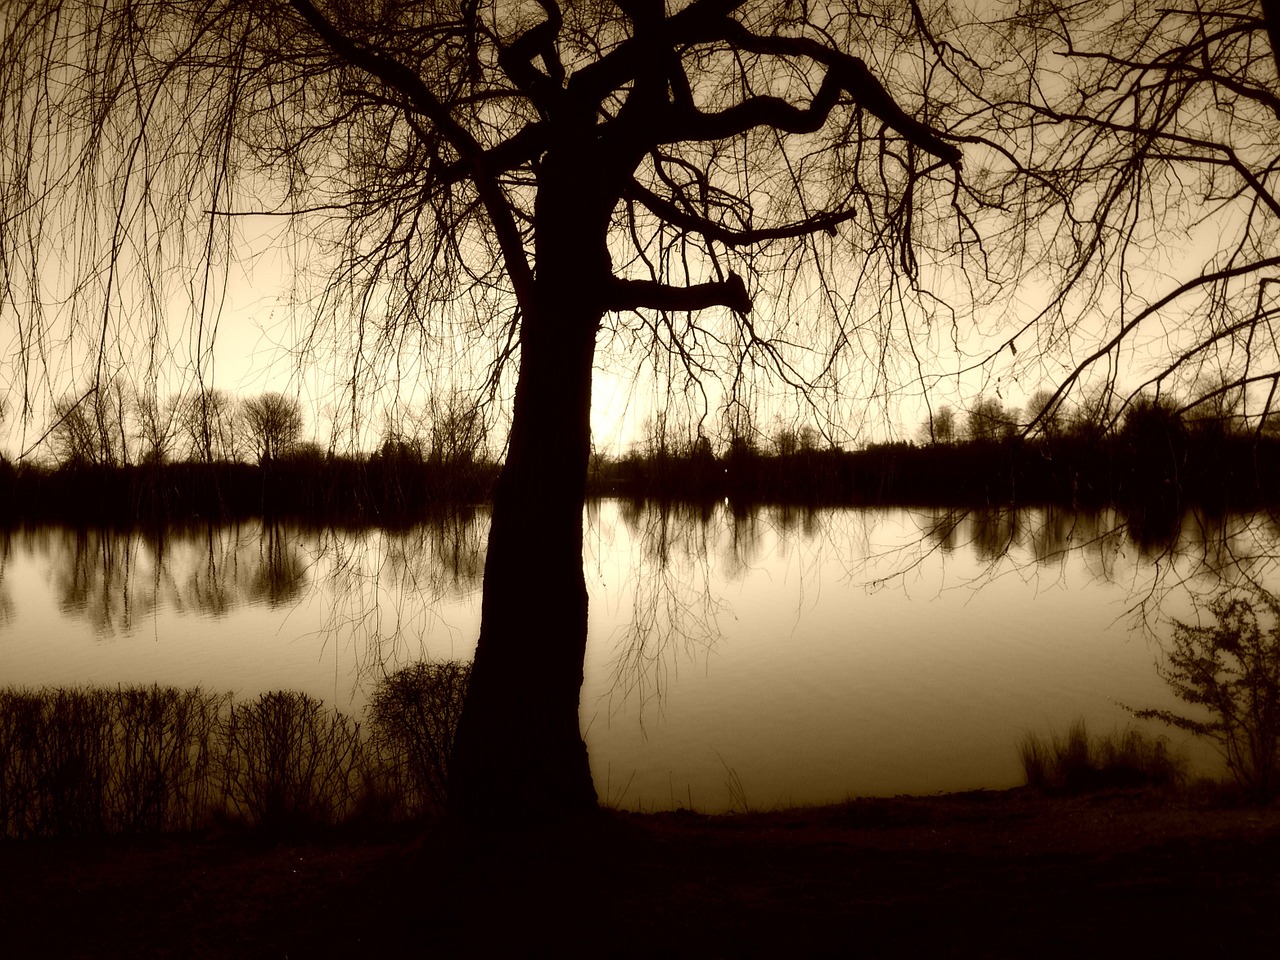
(519, 753)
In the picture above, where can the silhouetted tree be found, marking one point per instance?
(1044, 414)
(1155, 441)
(521, 176)
(273, 422)
(210, 422)
(91, 429)
(156, 425)
(941, 426)
(1218, 412)
(457, 431)
(988, 421)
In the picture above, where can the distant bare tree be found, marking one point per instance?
(941, 427)
(456, 429)
(786, 441)
(91, 429)
(156, 425)
(1219, 407)
(988, 421)
(210, 422)
(1044, 414)
(273, 423)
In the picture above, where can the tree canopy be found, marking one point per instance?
(399, 151)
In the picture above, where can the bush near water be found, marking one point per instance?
(87, 761)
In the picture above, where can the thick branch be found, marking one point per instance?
(538, 41)
(668, 212)
(697, 22)
(690, 124)
(641, 294)
(1271, 13)
(854, 77)
(517, 150)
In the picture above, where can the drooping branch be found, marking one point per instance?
(404, 80)
(1113, 343)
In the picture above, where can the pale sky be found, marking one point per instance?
(265, 312)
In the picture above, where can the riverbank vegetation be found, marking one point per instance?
(1226, 668)
(94, 761)
(1075, 762)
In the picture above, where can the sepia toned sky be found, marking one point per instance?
(248, 325)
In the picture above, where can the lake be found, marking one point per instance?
(759, 657)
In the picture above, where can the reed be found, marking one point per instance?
(1077, 763)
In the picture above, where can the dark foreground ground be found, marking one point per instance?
(979, 874)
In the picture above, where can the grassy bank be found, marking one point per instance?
(993, 874)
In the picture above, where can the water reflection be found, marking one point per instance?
(6, 597)
(114, 579)
(389, 587)
(102, 577)
(281, 572)
(817, 651)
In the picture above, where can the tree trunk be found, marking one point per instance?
(519, 753)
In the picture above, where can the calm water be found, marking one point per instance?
(773, 657)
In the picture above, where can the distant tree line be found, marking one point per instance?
(1153, 452)
(128, 459)
(122, 457)
(112, 425)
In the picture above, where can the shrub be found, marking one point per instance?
(414, 718)
(77, 761)
(1231, 668)
(88, 761)
(1075, 764)
(166, 759)
(289, 761)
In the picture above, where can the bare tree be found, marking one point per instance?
(210, 422)
(755, 188)
(988, 421)
(156, 426)
(941, 426)
(273, 422)
(1140, 143)
(1043, 414)
(457, 430)
(91, 429)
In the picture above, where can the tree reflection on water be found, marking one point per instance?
(386, 585)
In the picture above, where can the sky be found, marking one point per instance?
(263, 312)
